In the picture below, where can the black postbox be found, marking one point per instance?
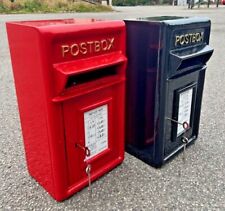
(167, 62)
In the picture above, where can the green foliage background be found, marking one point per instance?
(49, 6)
(140, 2)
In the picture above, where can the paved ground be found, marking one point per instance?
(133, 185)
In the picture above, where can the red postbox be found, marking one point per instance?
(70, 83)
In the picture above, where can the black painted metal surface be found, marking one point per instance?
(165, 79)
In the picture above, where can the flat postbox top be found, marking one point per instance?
(61, 26)
(171, 20)
(62, 22)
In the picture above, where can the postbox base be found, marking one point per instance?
(69, 192)
(146, 154)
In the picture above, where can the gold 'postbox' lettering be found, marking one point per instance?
(65, 49)
(92, 46)
(83, 48)
(189, 38)
(74, 49)
(97, 46)
(104, 45)
(110, 45)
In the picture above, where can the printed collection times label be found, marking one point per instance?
(184, 112)
(96, 130)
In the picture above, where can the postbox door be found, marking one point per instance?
(183, 105)
(94, 121)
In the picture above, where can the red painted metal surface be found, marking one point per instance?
(70, 78)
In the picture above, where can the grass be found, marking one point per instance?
(49, 6)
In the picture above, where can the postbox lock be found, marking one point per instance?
(184, 139)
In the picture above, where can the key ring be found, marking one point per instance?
(184, 124)
(85, 149)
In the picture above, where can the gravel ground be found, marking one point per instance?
(133, 185)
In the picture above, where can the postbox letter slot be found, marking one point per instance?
(83, 78)
(199, 58)
(82, 71)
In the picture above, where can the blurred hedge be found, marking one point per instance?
(46, 6)
(139, 2)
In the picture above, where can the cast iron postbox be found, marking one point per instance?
(70, 83)
(166, 69)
